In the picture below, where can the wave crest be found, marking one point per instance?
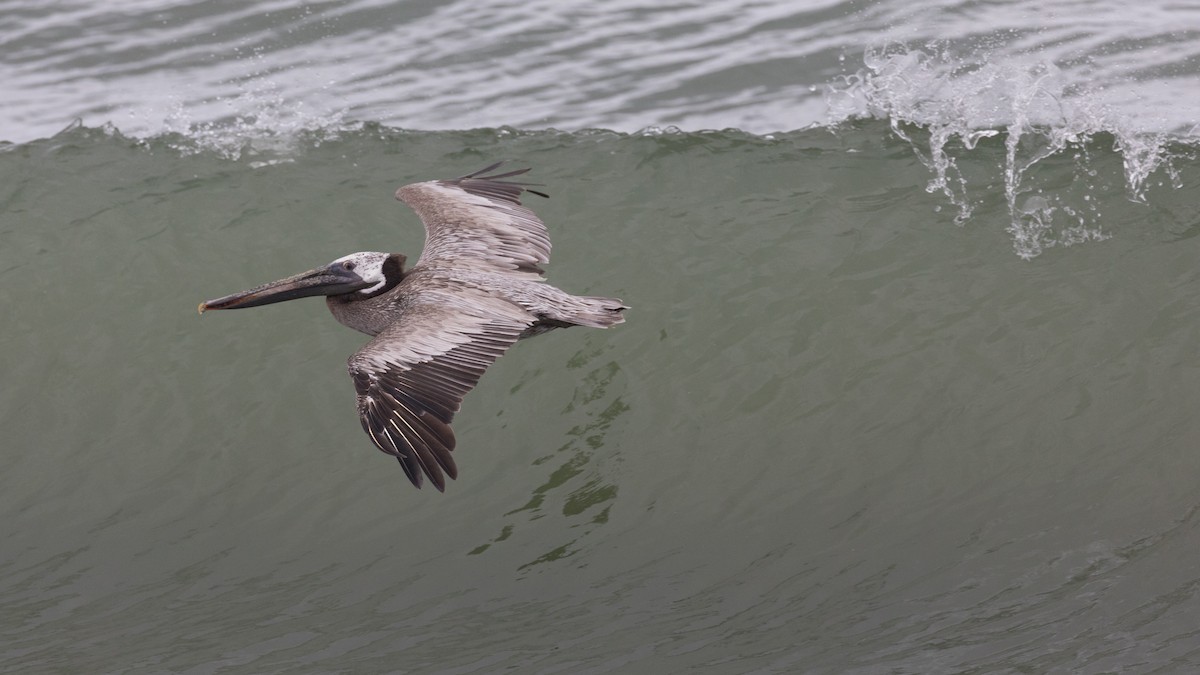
(956, 101)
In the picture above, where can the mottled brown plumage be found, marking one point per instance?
(479, 222)
(475, 291)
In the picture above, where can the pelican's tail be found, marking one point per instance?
(555, 308)
(597, 312)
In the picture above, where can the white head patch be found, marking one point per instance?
(369, 266)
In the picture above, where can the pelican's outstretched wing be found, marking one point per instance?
(412, 377)
(478, 220)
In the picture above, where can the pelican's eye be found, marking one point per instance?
(348, 265)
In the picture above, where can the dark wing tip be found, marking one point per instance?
(414, 477)
(479, 174)
(409, 420)
(492, 187)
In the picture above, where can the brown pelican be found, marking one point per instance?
(477, 289)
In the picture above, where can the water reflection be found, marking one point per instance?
(581, 494)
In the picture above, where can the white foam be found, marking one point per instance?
(959, 100)
(259, 122)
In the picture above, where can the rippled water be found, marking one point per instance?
(911, 392)
(157, 65)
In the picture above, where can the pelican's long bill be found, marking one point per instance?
(331, 280)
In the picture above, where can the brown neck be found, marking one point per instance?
(368, 315)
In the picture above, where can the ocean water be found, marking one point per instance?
(908, 384)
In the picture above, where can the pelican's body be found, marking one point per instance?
(550, 307)
(476, 290)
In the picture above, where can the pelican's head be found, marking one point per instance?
(367, 273)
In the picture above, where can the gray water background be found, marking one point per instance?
(898, 394)
(150, 66)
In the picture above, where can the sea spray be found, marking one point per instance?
(261, 119)
(943, 104)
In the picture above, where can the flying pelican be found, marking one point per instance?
(477, 289)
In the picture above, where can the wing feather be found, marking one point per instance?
(478, 220)
(412, 377)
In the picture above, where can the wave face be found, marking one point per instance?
(839, 432)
